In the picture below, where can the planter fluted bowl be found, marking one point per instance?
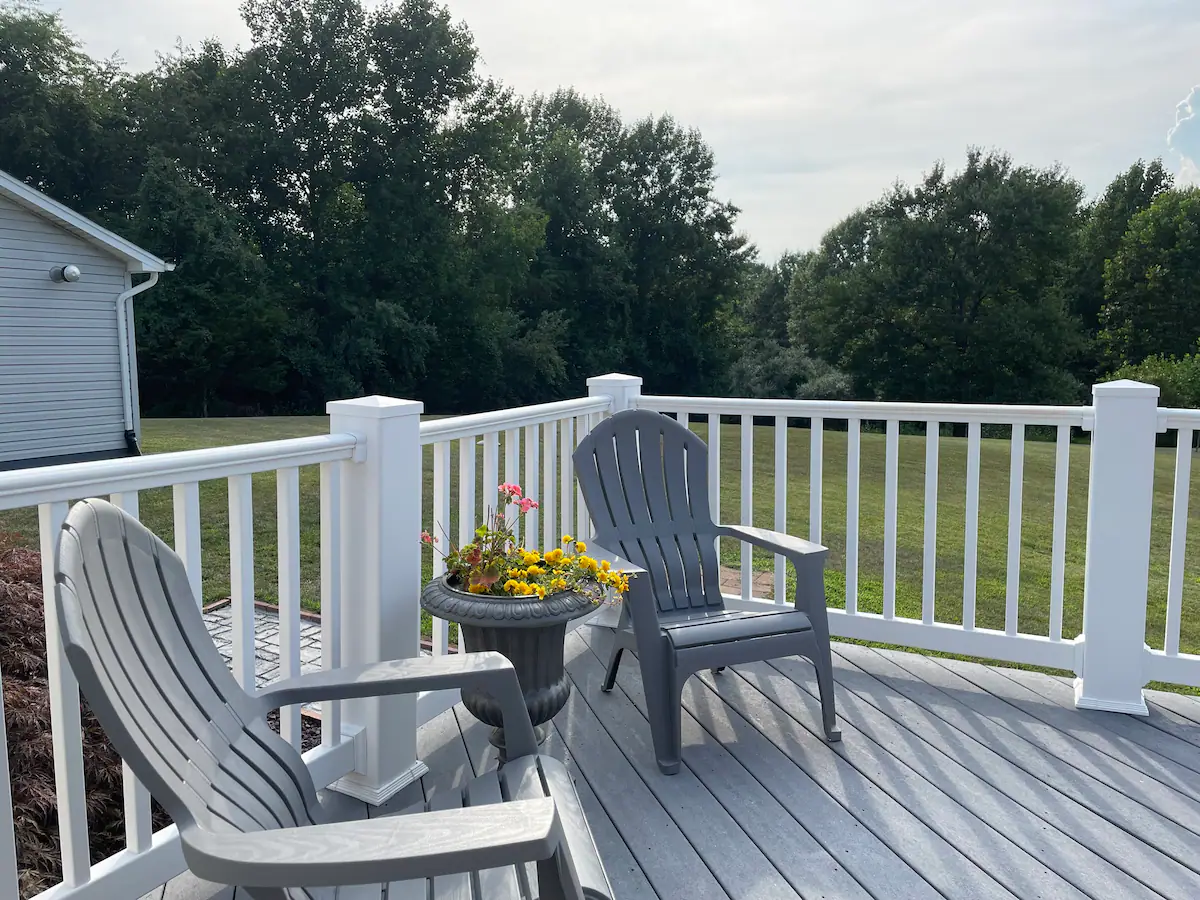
(528, 631)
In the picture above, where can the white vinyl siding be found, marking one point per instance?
(60, 367)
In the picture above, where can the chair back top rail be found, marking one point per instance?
(997, 414)
(72, 481)
(456, 427)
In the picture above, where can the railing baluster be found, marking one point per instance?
(1179, 524)
(533, 445)
(1058, 545)
(287, 490)
(441, 528)
(138, 828)
(781, 448)
(853, 442)
(1016, 478)
(929, 571)
(567, 477)
(241, 577)
(971, 526)
(549, 486)
(65, 724)
(186, 503)
(466, 491)
(816, 478)
(583, 521)
(891, 470)
(747, 491)
(491, 462)
(714, 466)
(512, 470)
(331, 592)
(8, 833)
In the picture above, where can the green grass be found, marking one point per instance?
(165, 435)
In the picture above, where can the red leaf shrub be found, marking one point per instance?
(30, 745)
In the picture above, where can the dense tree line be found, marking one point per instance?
(354, 207)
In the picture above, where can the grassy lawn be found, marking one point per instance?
(176, 434)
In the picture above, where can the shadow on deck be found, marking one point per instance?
(953, 780)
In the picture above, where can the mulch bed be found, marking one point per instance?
(30, 746)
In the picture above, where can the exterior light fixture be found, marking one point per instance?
(65, 273)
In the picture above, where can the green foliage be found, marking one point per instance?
(354, 208)
(1152, 283)
(1178, 378)
(950, 290)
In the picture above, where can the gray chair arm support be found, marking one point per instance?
(488, 671)
(777, 541)
(391, 848)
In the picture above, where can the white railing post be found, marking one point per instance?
(624, 389)
(381, 584)
(1120, 502)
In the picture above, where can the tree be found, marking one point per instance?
(1152, 283)
(1104, 225)
(949, 290)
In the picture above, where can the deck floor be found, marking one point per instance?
(953, 780)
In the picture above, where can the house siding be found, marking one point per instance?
(60, 366)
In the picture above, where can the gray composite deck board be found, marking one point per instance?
(929, 854)
(1138, 729)
(953, 780)
(1088, 850)
(1081, 727)
(1186, 707)
(805, 863)
(728, 854)
(1141, 822)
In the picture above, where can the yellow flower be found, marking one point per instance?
(536, 570)
(605, 565)
(580, 547)
(567, 539)
(511, 585)
(478, 589)
(531, 558)
(540, 591)
(588, 564)
(602, 577)
(525, 588)
(558, 584)
(554, 556)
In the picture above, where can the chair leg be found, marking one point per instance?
(823, 661)
(660, 682)
(556, 878)
(614, 662)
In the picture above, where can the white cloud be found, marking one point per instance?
(1184, 137)
(812, 108)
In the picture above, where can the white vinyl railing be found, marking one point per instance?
(1169, 664)
(534, 445)
(152, 858)
(376, 453)
(965, 636)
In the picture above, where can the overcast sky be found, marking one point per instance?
(815, 108)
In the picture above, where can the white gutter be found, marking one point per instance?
(123, 308)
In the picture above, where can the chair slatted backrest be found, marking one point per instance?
(644, 478)
(135, 638)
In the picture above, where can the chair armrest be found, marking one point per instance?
(598, 553)
(777, 541)
(487, 671)
(391, 848)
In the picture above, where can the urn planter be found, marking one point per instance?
(528, 631)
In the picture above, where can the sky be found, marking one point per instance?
(814, 109)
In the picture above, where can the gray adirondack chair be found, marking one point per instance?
(247, 810)
(644, 479)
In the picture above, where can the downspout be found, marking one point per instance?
(123, 311)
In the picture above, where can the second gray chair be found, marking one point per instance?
(644, 478)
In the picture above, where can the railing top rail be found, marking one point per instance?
(998, 414)
(455, 427)
(74, 481)
(1178, 418)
